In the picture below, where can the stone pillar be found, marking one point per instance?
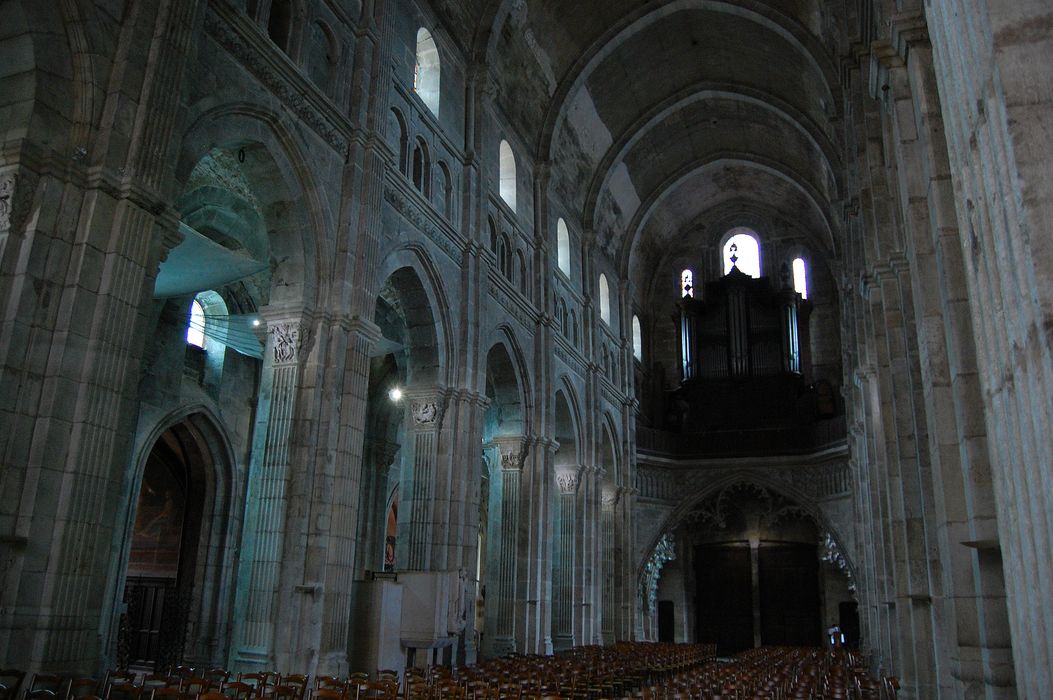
(610, 565)
(563, 588)
(423, 423)
(968, 605)
(287, 346)
(990, 63)
(503, 588)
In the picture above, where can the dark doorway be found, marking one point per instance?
(666, 620)
(725, 596)
(848, 613)
(163, 551)
(789, 594)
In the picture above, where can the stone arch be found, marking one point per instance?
(826, 238)
(57, 31)
(714, 486)
(786, 113)
(414, 278)
(567, 425)
(607, 450)
(282, 176)
(609, 42)
(206, 576)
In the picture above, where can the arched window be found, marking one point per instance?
(742, 251)
(605, 300)
(421, 168)
(399, 139)
(279, 24)
(563, 247)
(508, 175)
(493, 235)
(195, 330)
(687, 284)
(637, 338)
(426, 71)
(800, 277)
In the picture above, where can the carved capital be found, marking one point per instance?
(512, 461)
(610, 497)
(425, 413)
(568, 480)
(16, 198)
(290, 341)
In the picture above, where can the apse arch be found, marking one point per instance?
(654, 200)
(608, 43)
(301, 249)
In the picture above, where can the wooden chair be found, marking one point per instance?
(49, 681)
(195, 686)
(168, 692)
(297, 680)
(329, 694)
(236, 690)
(377, 690)
(80, 688)
(123, 691)
(10, 680)
(217, 677)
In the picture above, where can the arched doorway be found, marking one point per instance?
(752, 567)
(174, 605)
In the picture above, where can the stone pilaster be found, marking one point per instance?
(287, 346)
(564, 595)
(610, 608)
(425, 408)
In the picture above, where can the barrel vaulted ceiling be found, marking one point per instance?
(657, 115)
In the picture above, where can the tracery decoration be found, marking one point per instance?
(664, 552)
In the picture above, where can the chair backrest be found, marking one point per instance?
(82, 688)
(378, 690)
(328, 694)
(41, 694)
(123, 691)
(48, 681)
(196, 685)
(168, 692)
(236, 690)
(10, 680)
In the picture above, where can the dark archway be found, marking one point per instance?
(176, 547)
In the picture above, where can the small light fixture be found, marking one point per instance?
(255, 323)
(395, 394)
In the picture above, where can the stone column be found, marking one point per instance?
(423, 422)
(609, 567)
(563, 588)
(503, 587)
(535, 595)
(287, 346)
